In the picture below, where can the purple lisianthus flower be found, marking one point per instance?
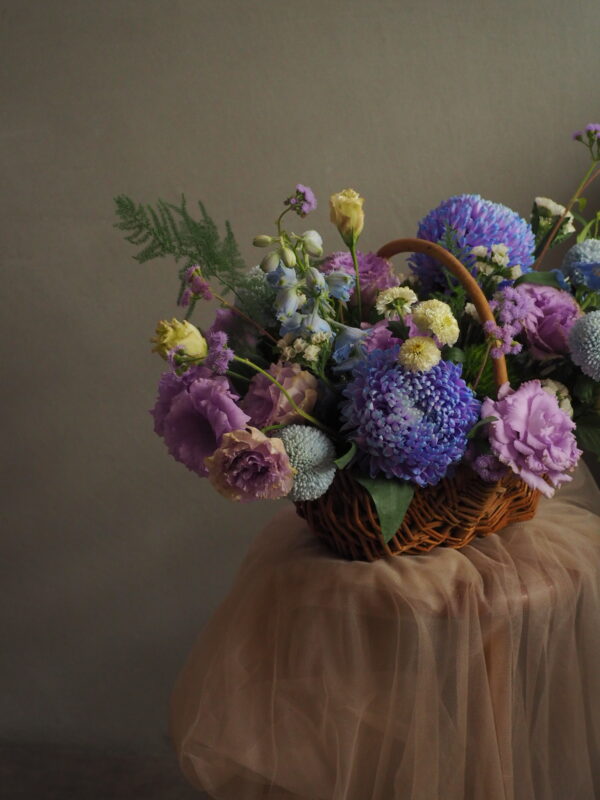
(219, 355)
(303, 201)
(193, 412)
(474, 222)
(267, 405)
(250, 466)
(408, 425)
(489, 467)
(379, 337)
(548, 332)
(375, 273)
(238, 331)
(532, 436)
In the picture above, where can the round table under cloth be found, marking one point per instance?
(467, 674)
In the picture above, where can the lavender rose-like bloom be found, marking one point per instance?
(267, 405)
(548, 330)
(249, 466)
(193, 412)
(532, 435)
(379, 337)
(375, 273)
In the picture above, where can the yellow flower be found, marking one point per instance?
(346, 213)
(419, 354)
(179, 334)
(395, 302)
(433, 316)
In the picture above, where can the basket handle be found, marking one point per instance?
(463, 275)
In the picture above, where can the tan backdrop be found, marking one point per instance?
(113, 555)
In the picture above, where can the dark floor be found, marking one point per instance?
(48, 772)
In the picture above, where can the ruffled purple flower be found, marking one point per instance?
(489, 467)
(249, 466)
(192, 413)
(379, 337)
(266, 404)
(375, 273)
(548, 330)
(474, 222)
(532, 436)
(408, 425)
(303, 201)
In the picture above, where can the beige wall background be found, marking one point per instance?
(114, 556)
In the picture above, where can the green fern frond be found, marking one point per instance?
(168, 229)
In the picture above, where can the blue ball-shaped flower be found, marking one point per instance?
(408, 425)
(582, 264)
(474, 222)
(584, 343)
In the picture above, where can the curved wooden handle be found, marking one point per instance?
(462, 274)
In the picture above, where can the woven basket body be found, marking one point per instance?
(452, 512)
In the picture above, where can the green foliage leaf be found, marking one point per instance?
(391, 498)
(480, 424)
(343, 461)
(585, 389)
(454, 354)
(585, 231)
(169, 230)
(540, 278)
(588, 432)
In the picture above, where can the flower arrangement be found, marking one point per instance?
(319, 364)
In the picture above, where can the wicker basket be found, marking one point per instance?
(452, 512)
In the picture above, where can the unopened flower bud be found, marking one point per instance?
(178, 334)
(346, 213)
(288, 257)
(262, 241)
(270, 262)
(313, 243)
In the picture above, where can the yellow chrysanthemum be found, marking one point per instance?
(419, 354)
(433, 316)
(395, 301)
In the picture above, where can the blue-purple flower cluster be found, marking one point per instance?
(473, 222)
(408, 425)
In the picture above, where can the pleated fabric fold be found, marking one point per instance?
(460, 674)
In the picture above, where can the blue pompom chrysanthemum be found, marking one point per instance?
(408, 425)
(473, 222)
(584, 343)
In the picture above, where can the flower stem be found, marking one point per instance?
(286, 394)
(241, 314)
(272, 428)
(356, 273)
(484, 361)
(585, 182)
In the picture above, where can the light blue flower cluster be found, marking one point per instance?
(408, 425)
(582, 264)
(584, 343)
(303, 299)
(311, 455)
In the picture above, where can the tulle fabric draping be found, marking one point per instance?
(462, 675)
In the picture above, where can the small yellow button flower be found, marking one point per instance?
(179, 334)
(346, 213)
(419, 354)
(433, 316)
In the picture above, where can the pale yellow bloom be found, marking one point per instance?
(433, 316)
(179, 334)
(560, 391)
(346, 213)
(419, 354)
(312, 352)
(395, 301)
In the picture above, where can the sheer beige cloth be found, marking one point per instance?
(462, 675)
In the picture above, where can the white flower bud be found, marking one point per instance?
(288, 257)
(270, 262)
(262, 241)
(313, 243)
